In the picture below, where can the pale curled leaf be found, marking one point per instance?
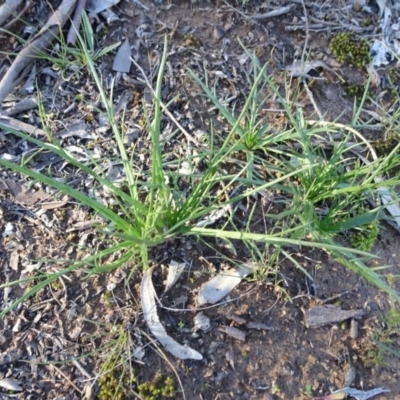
(201, 322)
(222, 284)
(301, 69)
(392, 208)
(175, 270)
(360, 394)
(230, 357)
(150, 315)
(22, 194)
(10, 384)
(122, 61)
(97, 6)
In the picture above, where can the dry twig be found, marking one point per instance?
(37, 44)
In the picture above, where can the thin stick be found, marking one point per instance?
(66, 377)
(348, 128)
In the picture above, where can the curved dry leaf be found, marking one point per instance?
(387, 199)
(175, 270)
(122, 60)
(97, 6)
(222, 284)
(150, 315)
(10, 384)
(201, 322)
(360, 394)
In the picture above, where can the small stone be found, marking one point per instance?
(354, 329)
(218, 33)
(201, 322)
(131, 136)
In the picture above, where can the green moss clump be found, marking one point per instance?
(110, 387)
(192, 41)
(347, 48)
(354, 90)
(159, 386)
(385, 145)
(114, 386)
(365, 238)
(117, 382)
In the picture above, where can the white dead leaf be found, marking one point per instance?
(14, 260)
(10, 384)
(201, 322)
(389, 14)
(150, 315)
(243, 59)
(9, 157)
(175, 270)
(301, 69)
(387, 199)
(122, 61)
(30, 84)
(360, 394)
(185, 169)
(97, 6)
(138, 353)
(109, 16)
(393, 209)
(214, 216)
(9, 230)
(222, 284)
(381, 55)
(230, 357)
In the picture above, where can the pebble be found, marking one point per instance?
(218, 33)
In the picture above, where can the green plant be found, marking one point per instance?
(181, 324)
(389, 334)
(159, 386)
(348, 48)
(117, 380)
(365, 237)
(308, 390)
(384, 340)
(275, 388)
(63, 57)
(151, 208)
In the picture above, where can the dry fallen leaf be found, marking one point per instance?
(222, 284)
(97, 6)
(22, 194)
(122, 60)
(150, 315)
(10, 384)
(230, 357)
(175, 270)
